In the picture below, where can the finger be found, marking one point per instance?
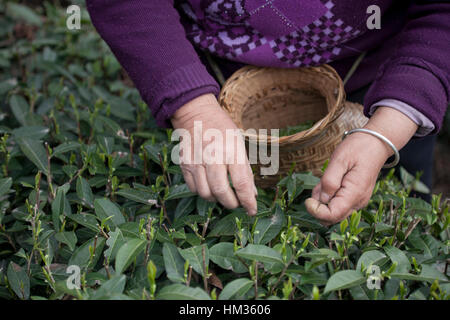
(328, 214)
(243, 183)
(201, 184)
(348, 198)
(189, 179)
(315, 194)
(217, 177)
(332, 180)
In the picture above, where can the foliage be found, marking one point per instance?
(290, 130)
(86, 180)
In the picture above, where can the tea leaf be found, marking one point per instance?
(5, 185)
(23, 13)
(369, 258)
(82, 257)
(343, 280)
(18, 281)
(113, 286)
(173, 262)
(260, 253)
(397, 255)
(236, 289)
(181, 292)
(127, 253)
(179, 191)
(195, 257)
(84, 192)
(35, 152)
(114, 242)
(20, 108)
(138, 196)
(222, 254)
(67, 237)
(104, 209)
(268, 228)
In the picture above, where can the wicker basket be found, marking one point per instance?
(273, 98)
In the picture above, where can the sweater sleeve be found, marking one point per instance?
(149, 41)
(418, 72)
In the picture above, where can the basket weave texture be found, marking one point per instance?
(275, 98)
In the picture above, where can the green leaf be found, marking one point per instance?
(195, 257)
(84, 192)
(35, 152)
(60, 206)
(18, 280)
(227, 225)
(314, 278)
(268, 228)
(428, 274)
(181, 292)
(104, 209)
(106, 143)
(308, 181)
(23, 13)
(179, 191)
(138, 196)
(81, 256)
(222, 254)
(236, 289)
(114, 242)
(173, 262)
(184, 207)
(67, 237)
(85, 219)
(203, 206)
(426, 243)
(31, 132)
(5, 185)
(113, 286)
(66, 147)
(127, 253)
(20, 108)
(122, 108)
(343, 280)
(260, 253)
(370, 258)
(397, 255)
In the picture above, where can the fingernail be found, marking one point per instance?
(324, 198)
(252, 212)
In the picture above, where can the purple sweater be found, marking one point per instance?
(160, 45)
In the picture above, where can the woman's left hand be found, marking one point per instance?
(350, 177)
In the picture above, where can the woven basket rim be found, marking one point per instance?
(334, 111)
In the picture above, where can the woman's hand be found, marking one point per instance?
(210, 178)
(350, 177)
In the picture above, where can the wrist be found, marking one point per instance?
(392, 124)
(195, 106)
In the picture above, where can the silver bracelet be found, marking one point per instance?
(381, 137)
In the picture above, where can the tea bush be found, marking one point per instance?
(86, 184)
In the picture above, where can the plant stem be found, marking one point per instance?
(281, 275)
(205, 274)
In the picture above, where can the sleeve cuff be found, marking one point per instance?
(176, 89)
(426, 126)
(414, 82)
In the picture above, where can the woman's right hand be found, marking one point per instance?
(207, 177)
